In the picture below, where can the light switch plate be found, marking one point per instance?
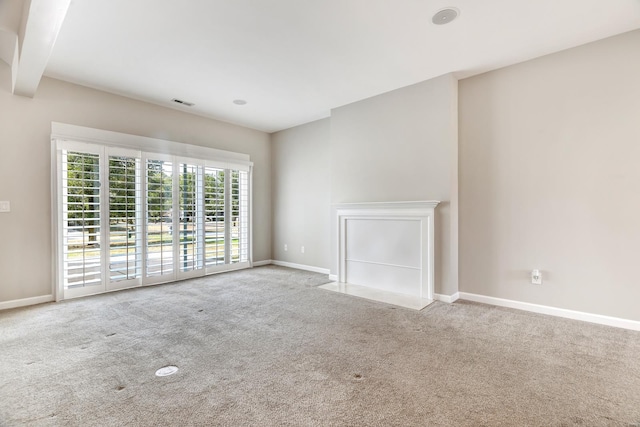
(5, 206)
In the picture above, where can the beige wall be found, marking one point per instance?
(402, 146)
(550, 179)
(301, 194)
(25, 178)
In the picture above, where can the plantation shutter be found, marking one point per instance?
(81, 226)
(159, 223)
(214, 205)
(191, 222)
(125, 216)
(239, 216)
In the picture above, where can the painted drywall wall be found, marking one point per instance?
(25, 157)
(402, 146)
(301, 201)
(550, 179)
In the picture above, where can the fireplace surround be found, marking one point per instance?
(385, 251)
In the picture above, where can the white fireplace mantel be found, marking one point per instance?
(386, 248)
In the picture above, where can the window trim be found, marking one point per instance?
(84, 138)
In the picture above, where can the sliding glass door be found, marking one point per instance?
(127, 218)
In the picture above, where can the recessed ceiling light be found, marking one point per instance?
(180, 101)
(239, 101)
(446, 15)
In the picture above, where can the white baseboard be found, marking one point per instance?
(261, 263)
(554, 311)
(5, 305)
(300, 266)
(333, 277)
(446, 298)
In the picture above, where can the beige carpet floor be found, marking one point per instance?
(266, 347)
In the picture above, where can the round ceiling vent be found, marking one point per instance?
(444, 16)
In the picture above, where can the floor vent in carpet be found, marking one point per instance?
(166, 371)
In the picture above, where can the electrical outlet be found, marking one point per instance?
(5, 206)
(286, 248)
(301, 249)
(536, 277)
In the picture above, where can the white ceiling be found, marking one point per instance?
(295, 60)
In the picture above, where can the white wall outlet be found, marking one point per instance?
(5, 206)
(536, 277)
(301, 249)
(286, 248)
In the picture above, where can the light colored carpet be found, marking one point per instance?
(265, 347)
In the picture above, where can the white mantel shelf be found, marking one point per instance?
(385, 251)
(413, 207)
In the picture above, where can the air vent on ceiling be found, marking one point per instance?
(444, 16)
(180, 101)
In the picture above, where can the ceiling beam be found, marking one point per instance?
(41, 22)
(10, 14)
(9, 52)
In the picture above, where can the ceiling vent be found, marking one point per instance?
(444, 16)
(180, 101)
